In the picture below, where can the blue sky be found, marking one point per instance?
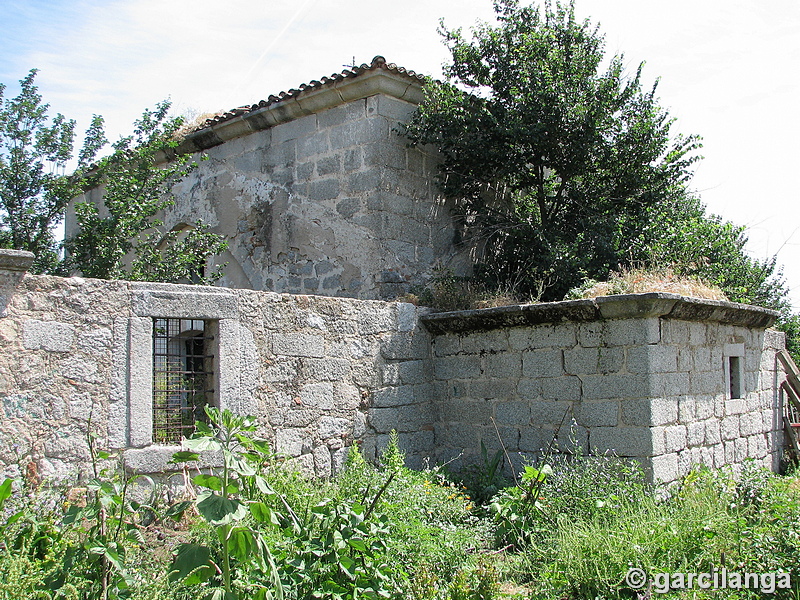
(729, 70)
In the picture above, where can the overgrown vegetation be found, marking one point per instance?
(565, 169)
(119, 237)
(254, 528)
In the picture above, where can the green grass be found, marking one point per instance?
(592, 518)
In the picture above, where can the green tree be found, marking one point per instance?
(552, 159)
(34, 189)
(121, 238)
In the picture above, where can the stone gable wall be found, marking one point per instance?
(330, 203)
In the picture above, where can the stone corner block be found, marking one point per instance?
(15, 260)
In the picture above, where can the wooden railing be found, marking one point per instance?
(791, 412)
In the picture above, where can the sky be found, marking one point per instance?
(728, 70)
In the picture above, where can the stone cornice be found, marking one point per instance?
(629, 306)
(380, 81)
(15, 260)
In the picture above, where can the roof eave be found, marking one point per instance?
(309, 102)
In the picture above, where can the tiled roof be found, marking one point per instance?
(378, 63)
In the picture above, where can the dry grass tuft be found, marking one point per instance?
(195, 124)
(642, 281)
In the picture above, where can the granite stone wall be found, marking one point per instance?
(331, 202)
(76, 357)
(647, 377)
(667, 380)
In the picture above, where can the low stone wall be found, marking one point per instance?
(645, 376)
(76, 357)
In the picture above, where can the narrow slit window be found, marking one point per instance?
(183, 376)
(735, 377)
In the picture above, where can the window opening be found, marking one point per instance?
(182, 376)
(735, 377)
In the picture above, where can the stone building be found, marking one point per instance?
(329, 214)
(317, 192)
(667, 380)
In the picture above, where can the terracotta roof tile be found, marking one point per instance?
(378, 62)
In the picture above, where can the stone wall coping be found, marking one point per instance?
(15, 260)
(346, 90)
(627, 306)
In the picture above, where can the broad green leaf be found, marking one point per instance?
(357, 544)
(184, 456)
(175, 512)
(211, 482)
(203, 444)
(219, 510)
(263, 486)
(5, 491)
(192, 564)
(263, 513)
(240, 543)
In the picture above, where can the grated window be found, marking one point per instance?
(183, 376)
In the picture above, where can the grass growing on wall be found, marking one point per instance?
(567, 530)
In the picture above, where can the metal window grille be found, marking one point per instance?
(183, 376)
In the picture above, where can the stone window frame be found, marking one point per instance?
(131, 408)
(733, 365)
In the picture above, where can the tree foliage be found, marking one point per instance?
(553, 159)
(34, 189)
(121, 238)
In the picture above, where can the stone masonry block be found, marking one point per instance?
(503, 365)
(298, 344)
(632, 332)
(407, 316)
(543, 336)
(457, 367)
(665, 467)
(695, 433)
(597, 414)
(625, 441)
(414, 371)
(394, 396)
(318, 395)
(561, 388)
(616, 386)
(652, 359)
(47, 335)
(406, 346)
(535, 439)
(445, 345)
(499, 389)
(542, 363)
(750, 424)
(581, 361)
(292, 442)
(328, 427)
(483, 342)
(551, 412)
(513, 413)
(325, 369)
(302, 127)
(466, 411)
(393, 108)
(710, 382)
(730, 428)
(323, 189)
(675, 438)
